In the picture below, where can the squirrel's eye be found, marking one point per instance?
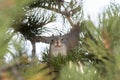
(62, 39)
(52, 40)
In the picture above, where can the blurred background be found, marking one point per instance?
(24, 55)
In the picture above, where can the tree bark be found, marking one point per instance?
(33, 49)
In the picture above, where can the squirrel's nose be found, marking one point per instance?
(58, 43)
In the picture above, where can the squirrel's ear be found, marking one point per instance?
(60, 34)
(52, 35)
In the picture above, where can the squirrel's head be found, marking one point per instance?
(57, 41)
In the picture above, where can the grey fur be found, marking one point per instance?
(67, 42)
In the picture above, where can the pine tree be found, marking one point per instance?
(96, 57)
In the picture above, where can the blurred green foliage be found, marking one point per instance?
(99, 50)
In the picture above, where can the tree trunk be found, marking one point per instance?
(33, 49)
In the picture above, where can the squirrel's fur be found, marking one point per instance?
(63, 43)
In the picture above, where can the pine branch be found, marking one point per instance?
(43, 39)
(67, 13)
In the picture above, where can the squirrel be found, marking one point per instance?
(63, 43)
(58, 46)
